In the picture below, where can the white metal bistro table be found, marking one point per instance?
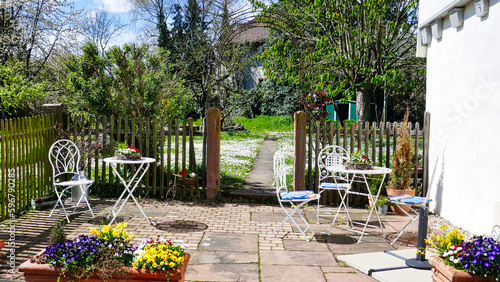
(362, 176)
(130, 185)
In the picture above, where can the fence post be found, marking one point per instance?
(56, 110)
(299, 160)
(213, 153)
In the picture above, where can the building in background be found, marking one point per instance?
(254, 35)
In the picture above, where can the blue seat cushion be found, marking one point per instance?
(408, 199)
(298, 195)
(328, 185)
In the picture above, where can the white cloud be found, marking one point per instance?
(114, 6)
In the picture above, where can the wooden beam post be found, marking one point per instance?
(56, 110)
(299, 160)
(213, 152)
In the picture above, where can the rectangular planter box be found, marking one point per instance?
(44, 273)
(442, 272)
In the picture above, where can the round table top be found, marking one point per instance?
(374, 170)
(143, 160)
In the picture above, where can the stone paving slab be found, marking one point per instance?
(270, 257)
(283, 273)
(348, 277)
(296, 245)
(229, 242)
(220, 257)
(223, 272)
(348, 244)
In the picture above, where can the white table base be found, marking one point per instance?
(362, 174)
(130, 187)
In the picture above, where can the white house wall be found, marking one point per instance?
(463, 97)
(427, 9)
(253, 75)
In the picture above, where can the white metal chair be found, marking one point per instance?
(495, 233)
(414, 203)
(330, 157)
(296, 199)
(64, 157)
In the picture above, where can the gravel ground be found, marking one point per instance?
(435, 221)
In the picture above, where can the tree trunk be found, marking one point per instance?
(363, 105)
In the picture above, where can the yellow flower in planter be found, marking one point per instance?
(443, 243)
(112, 232)
(159, 254)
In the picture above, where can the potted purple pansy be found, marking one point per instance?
(476, 259)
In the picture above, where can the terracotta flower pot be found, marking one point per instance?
(2, 245)
(44, 273)
(443, 272)
(395, 192)
(358, 166)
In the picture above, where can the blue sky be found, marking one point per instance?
(122, 9)
(119, 8)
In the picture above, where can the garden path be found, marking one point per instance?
(259, 182)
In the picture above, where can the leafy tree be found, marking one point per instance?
(154, 15)
(200, 45)
(41, 27)
(9, 35)
(270, 98)
(16, 90)
(31, 32)
(351, 48)
(126, 81)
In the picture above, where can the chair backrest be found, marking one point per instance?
(331, 156)
(279, 171)
(495, 233)
(64, 157)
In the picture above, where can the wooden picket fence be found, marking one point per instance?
(97, 137)
(376, 140)
(25, 171)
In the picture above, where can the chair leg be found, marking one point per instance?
(59, 201)
(308, 226)
(343, 198)
(413, 219)
(84, 196)
(317, 209)
(290, 217)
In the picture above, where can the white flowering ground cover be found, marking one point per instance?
(238, 152)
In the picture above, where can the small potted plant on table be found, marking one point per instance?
(359, 161)
(125, 152)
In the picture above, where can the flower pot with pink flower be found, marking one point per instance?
(125, 152)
